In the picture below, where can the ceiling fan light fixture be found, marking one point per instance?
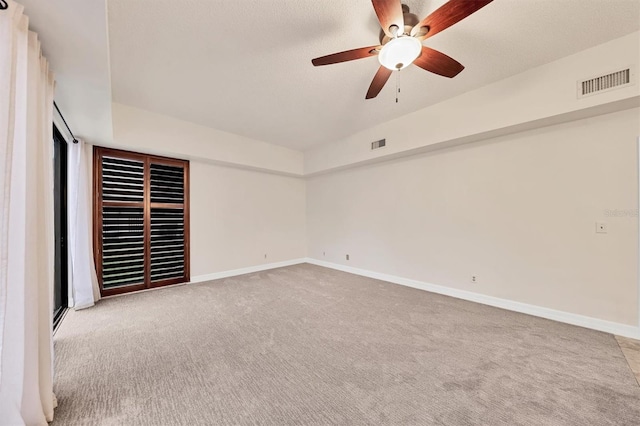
(401, 39)
(400, 52)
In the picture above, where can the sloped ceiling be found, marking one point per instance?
(244, 66)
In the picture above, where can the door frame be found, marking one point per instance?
(147, 205)
(61, 255)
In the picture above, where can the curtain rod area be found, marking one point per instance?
(65, 122)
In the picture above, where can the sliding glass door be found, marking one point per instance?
(60, 286)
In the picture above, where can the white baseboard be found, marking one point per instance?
(538, 311)
(247, 270)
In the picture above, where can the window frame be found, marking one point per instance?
(147, 205)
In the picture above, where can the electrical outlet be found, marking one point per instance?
(347, 257)
(474, 279)
(601, 227)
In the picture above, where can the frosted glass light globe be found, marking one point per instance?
(400, 52)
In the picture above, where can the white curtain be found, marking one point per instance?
(26, 225)
(82, 271)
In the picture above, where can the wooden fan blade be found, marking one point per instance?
(347, 55)
(448, 14)
(379, 80)
(438, 63)
(389, 13)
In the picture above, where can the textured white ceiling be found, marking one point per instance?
(74, 40)
(244, 66)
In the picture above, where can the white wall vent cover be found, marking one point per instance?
(379, 144)
(604, 83)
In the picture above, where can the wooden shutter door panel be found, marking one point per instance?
(122, 222)
(119, 221)
(123, 251)
(141, 221)
(122, 180)
(167, 244)
(168, 221)
(167, 184)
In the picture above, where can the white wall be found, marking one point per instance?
(238, 216)
(518, 211)
(515, 207)
(245, 199)
(541, 96)
(140, 130)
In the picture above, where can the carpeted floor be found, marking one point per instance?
(308, 345)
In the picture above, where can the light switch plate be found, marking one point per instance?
(601, 227)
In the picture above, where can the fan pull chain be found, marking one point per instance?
(397, 85)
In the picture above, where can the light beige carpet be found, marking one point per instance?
(308, 345)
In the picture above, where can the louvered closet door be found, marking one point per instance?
(168, 248)
(141, 221)
(121, 246)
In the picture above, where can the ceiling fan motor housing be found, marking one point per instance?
(410, 21)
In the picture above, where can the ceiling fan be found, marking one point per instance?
(401, 40)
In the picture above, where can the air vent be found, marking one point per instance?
(605, 83)
(379, 144)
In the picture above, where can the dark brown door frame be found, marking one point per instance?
(147, 205)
